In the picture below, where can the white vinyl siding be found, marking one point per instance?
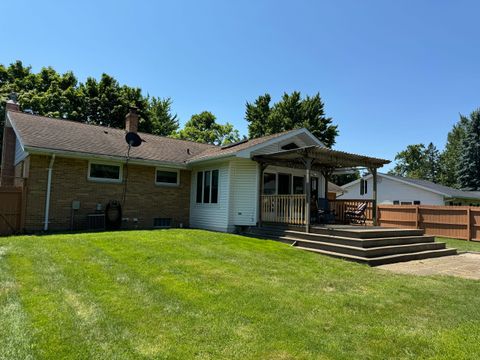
(212, 216)
(244, 192)
(389, 191)
(20, 154)
(300, 140)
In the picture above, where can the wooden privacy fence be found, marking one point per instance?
(340, 206)
(10, 210)
(461, 222)
(287, 209)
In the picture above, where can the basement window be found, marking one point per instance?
(162, 222)
(167, 177)
(104, 172)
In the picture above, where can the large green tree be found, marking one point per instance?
(204, 128)
(411, 162)
(449, 158)
(163, 121)
(291, 112)
(102, 102)
(432, 163)
(469, 164)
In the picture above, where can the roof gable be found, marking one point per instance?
(245, 149)
(426, 185)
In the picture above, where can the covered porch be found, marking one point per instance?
(293, 200)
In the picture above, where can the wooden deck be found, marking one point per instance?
(372, 245)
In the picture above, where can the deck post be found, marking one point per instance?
(308, 190)
(374, 203)
(262, 166)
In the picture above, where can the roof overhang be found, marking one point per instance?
(322, 158)
(90, 156)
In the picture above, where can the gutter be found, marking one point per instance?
(89, 156)
(49, 186)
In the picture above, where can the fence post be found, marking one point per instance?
(469, 224)
(416, 217)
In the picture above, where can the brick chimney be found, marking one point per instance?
(131, 120)
(12, 105)
(7, 173)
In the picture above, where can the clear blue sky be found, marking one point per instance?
(391, 73)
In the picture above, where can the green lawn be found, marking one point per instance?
(195, 294)
(461, 245)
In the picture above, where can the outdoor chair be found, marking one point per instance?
(358, 215)
(324, 214)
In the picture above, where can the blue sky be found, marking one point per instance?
(391, 73)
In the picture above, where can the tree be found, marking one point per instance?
(102, 102)
(411, 162)
(469, 164)
(431, 163)
(342, 179)
(204, 128)
(163, 122)
(450, 157)
(257, 115)
(291, 112)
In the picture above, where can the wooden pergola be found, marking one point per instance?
(324, 160)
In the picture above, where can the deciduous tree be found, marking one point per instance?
(204, 128)
(291, 112)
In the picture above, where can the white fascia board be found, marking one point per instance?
(17, 134)
(212, 158)
(414, 185)
(246, 153)
(89, 156)
(394, 178)
(354, 182)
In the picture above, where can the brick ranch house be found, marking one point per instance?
(70, 171)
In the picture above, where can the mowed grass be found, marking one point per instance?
(460, 245)
(184, 294)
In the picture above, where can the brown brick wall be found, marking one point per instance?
(144, 201)
(8, 157)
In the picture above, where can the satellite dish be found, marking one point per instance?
(133, 139)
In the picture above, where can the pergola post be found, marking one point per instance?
(262, 166)
(308, 190)
(326, 176)
(374, 203)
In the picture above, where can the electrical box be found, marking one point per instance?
(75, 205)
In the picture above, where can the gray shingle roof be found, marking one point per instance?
(232, 149)
(40, 132)
(70, 136)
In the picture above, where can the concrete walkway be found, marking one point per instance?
(465, 265)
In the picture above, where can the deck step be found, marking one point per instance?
(389, 259)
(372, 251)
(366, 243)
(365, 252)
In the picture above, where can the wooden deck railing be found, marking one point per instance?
(286, 209)
(340, 206)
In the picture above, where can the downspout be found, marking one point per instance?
(49, 186)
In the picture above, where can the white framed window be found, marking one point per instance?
(167, 177)
(207, 187)
(363, 187)
(105, 172)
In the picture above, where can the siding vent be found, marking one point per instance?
(162, 222)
